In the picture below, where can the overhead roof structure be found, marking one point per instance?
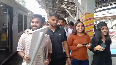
(67, 7)
(62, 7)
(105, 9)
(104, 3)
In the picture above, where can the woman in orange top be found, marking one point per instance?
(78, 43)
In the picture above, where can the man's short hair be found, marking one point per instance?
(37, 16)
(61, 18)
(53, 14)
(71, 23)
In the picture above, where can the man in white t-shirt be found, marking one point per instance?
(25, 42)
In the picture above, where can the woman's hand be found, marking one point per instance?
(69, 61)
(79, 45)
(98, 47)
(89, 45)
(26, 58)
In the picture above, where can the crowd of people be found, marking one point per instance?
(66, 42)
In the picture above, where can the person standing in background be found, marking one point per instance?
(59, 41)
(61, 22)
(70, 28)
(101, 45)
(78, 43)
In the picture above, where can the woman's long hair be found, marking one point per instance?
(74, 31)
(98, 33)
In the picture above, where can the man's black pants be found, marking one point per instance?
(60, 61)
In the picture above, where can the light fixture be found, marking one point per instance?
(5, 12)
(38, 0)
(1, 5)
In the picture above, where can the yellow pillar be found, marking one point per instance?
(88, 20)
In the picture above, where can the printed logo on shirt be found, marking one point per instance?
(59, 34)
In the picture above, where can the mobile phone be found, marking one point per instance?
(85, 43)
(103, 45)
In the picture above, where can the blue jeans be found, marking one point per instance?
(79, 62)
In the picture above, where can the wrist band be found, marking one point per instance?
(67, 57)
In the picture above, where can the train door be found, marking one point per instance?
(5, 31)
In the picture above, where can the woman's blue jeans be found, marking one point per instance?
(79, 62)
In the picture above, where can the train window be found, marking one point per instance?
(20, 22)
(25, 22)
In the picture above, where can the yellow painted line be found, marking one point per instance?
(90, 27)
(90, 33)
(84, 14)
(84, 19)
(88, 16)
(89, 22)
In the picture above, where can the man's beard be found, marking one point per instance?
(35, 28)
(59, 25)
(53, 25)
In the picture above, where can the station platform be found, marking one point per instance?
(15, 59)
(3, 55)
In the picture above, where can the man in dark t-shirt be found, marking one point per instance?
(59, 41)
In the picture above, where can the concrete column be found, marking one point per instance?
(88, 6)
(88, 19)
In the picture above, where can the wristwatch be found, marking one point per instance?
(67, 57)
